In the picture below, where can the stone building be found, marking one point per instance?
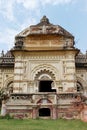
(44, 74)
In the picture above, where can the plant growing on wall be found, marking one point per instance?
(3, 95)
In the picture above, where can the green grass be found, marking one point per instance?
(39, 124)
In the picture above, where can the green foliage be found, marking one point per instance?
(7, 116)
(40, 124)
(3, 95)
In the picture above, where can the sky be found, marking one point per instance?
(16, 15)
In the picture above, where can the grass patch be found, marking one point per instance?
(40, 124)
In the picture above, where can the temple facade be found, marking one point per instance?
(44, 74)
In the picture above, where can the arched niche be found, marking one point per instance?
(79, 87)
(10, 87)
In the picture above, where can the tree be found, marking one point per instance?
(3, 95)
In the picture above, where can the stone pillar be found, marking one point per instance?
(54, 113)
(34, 113)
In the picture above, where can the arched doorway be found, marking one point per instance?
(45, 80)
(44, 112)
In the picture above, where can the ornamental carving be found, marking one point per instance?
(46, 74)
(44, 69)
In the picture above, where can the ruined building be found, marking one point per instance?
(44, 74)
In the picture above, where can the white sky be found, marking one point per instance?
(15, 15)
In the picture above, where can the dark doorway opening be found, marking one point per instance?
(45, 86)
(44, 112)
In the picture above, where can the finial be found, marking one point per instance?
(44, 20)
(86, 53)
(2, 53)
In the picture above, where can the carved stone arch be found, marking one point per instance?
(8, 85)
(81, 83)
(44, 74)
(44, 69)
(43, 101)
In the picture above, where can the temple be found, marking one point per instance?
(44, 74)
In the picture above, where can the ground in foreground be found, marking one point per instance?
(40, 124)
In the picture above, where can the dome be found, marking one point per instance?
(44, 27)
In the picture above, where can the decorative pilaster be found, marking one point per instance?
(34, 113)
(54, 114)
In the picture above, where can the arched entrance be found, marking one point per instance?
(44, 112)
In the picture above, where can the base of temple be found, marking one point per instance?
(47, 106)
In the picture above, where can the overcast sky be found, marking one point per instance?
(16, 15)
